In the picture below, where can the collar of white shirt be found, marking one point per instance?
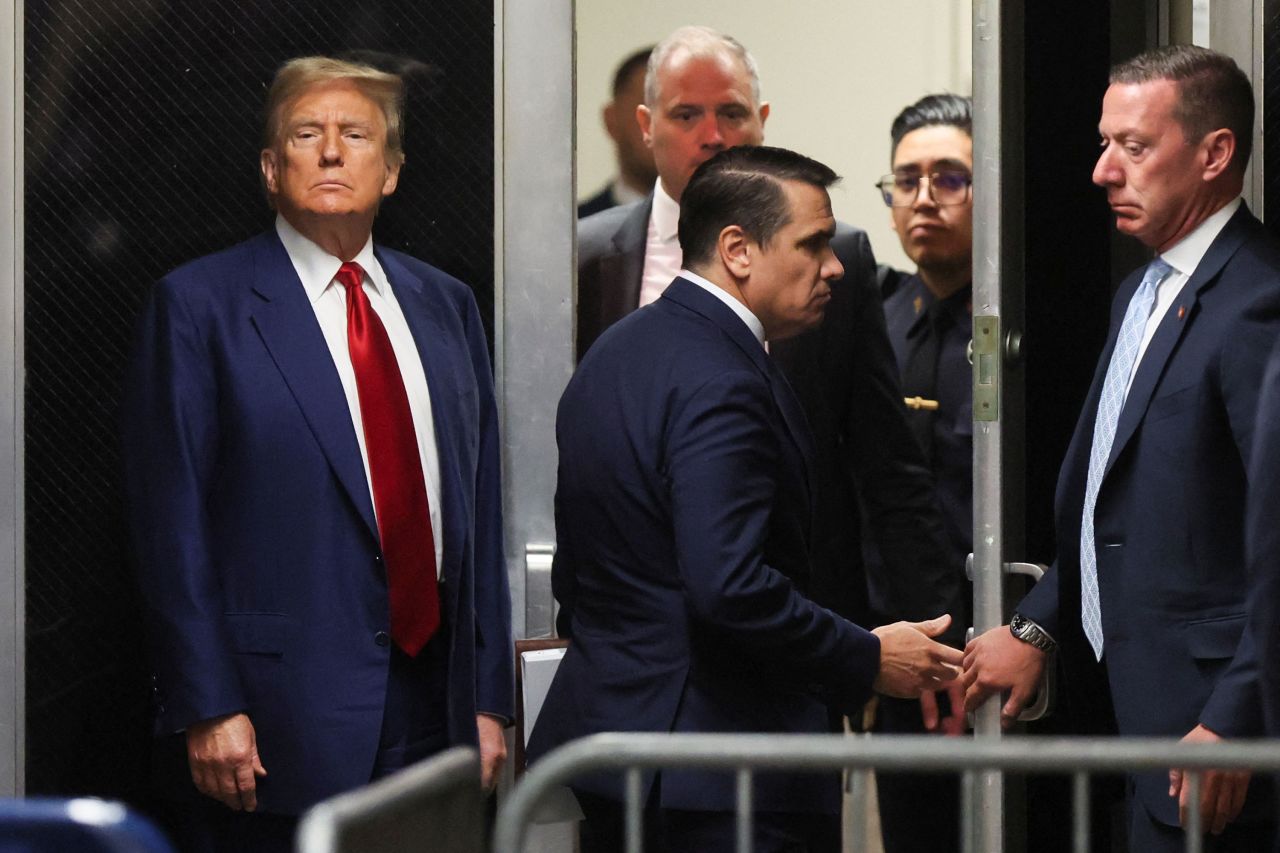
(317, 268)
(744, 313)
(1185, 255)
(665, 219)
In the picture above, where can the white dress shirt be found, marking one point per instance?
(744, 313)
(316, 268)
(1184, 256)
(662, 255)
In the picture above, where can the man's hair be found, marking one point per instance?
(298, 75)
(637, 61)
(701, 42)
(743, 186)
(1212, 91)
(940, 110)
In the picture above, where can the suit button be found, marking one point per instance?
(382, 638)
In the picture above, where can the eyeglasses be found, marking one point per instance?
(901, 190)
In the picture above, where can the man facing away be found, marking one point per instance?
(1147, 595)
(683, 514)
(311, 450)
(702, 96)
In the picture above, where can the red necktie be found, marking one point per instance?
(399, 493)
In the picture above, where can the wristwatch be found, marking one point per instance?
(1031, 633)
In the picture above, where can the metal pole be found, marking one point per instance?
(12, 566)
(988, 519)
(997, 320)
(533, 287)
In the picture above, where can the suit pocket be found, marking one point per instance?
(1216, 638)
(1167, 405)
(262, 634)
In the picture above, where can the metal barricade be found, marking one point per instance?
(631, 753)
(436, 805)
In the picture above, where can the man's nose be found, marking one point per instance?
(832, 269)
(712, 137)
(331, 147)
(924, 193)
(1105, 171)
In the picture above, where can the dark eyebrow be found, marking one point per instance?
(946, 164)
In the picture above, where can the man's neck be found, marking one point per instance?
(342, 236)
(943, 282)
(638, 183)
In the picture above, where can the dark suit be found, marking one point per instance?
(256, 545)
(1169, 521)
(1263, 543)
(683, 512)
(930, 340)
(602, 200)
(844, 375)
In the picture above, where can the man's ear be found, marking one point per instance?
(1217, 150)
(735, 249)
(267, 162)
(645, 118)
(392, 179)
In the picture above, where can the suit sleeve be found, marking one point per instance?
(894, 480)
(1234, 707)
(495, 666)
(170, 444)
(720, 461)
(1263, 544)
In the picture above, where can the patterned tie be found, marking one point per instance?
(399, 492)
(1114, 389)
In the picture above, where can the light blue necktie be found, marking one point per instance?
(1114, 389)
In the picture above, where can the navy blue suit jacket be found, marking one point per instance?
(1169, 522)
(869, 465)
(683, 514)
(1263, 543)
(255, 539)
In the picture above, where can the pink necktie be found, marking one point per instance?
(399, 492)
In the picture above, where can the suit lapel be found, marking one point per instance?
(622, 271)
(696, 299)
(1172, 328)
(287, 325)
(439, 351)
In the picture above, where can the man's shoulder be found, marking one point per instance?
(596, 232)
(224, 264)
(433, 276)
(849, 235)
(904, 291)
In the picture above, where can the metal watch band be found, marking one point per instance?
(1031, 633)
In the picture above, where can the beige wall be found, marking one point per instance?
(835, 71)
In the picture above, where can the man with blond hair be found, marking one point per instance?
(311, 449)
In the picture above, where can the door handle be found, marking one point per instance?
(1048, 684)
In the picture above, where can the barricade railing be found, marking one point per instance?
(745, 755)
(436, 805)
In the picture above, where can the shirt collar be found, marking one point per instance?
(1185, 255)
(666, 214)
(743, 312)
(316, 267)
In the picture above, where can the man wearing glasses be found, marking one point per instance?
(929, 322)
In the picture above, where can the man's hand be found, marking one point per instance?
(1222, 792)
(954, 723)
(998, 661)
(911, 663)
(493, 749)
(223, 755)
